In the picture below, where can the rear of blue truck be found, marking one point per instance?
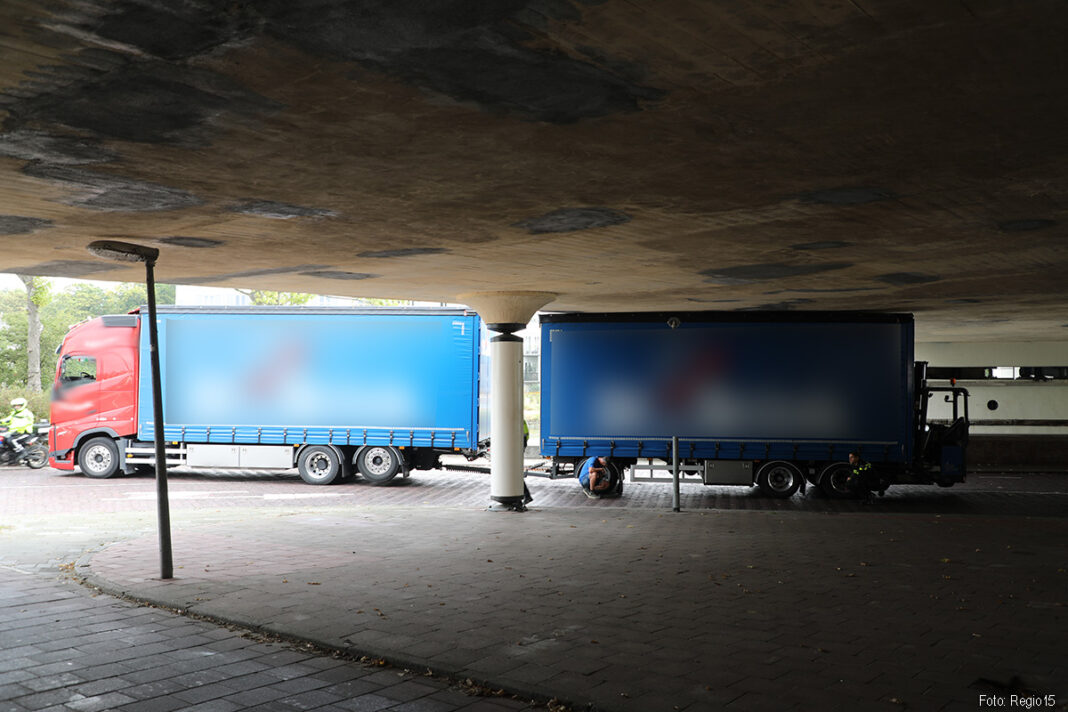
(775, 400)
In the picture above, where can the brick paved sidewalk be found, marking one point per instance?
(63, 649)
(643, 610)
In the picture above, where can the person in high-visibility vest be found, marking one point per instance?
(861, 476)
(19, 423)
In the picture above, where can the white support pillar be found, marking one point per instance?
(506, 313)
(506, 416)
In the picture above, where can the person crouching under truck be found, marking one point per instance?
(863, 479)
(600, 477)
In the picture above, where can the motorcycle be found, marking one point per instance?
(33, 455)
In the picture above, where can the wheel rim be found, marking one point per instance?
(98, 459)
(37, 458)
(378, 461)
(780, 479)
(319, 466)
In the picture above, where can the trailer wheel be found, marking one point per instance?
(833, 480)
(779, 478)
(99, 458)
(378, 464)
(319, 465)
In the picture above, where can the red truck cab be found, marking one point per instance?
(95, 391)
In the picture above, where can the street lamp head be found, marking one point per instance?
(123, 251)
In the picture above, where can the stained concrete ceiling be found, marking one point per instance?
(820, 154)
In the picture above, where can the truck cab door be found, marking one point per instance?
(75, 399)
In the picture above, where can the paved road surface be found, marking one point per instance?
(925, 600)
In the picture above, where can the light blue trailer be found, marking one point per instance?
(764, 398)
(384, 390)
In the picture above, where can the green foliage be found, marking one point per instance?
(262, 297)
(13, 338)
(58, 313)
(38, 402)
(40, 292)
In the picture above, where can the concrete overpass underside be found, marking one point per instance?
(888, 155)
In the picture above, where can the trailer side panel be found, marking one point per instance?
(405, 380)
(732, 387)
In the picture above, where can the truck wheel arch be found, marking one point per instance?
(83, 438)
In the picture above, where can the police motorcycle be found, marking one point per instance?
(29, 452)
(33, 455)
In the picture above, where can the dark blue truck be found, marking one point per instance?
(773, 399)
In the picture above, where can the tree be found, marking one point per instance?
(259, 296)
(13, 368)
(37, 296)
(57, 314)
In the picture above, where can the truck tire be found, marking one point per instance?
(779, 478)
(319, 465)
(378, 464)
(99, 458)
(833, 480)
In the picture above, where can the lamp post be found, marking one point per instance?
(127, 252)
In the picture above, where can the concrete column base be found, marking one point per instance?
(515, 505)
